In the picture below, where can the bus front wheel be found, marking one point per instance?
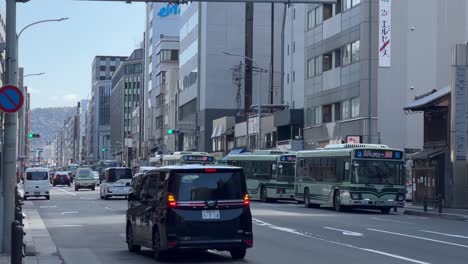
(264, 194)
(337, 201)
(306, 198)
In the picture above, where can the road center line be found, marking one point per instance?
(345, 232)
(445, 234)
(108, 208)
(418, 237)
(65, 191)
(393, 221)
(293, 231)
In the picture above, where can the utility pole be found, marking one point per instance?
(10, 126)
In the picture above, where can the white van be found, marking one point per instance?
(37, 183)
(115, 182)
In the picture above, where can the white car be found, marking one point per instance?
(116, 182)
(96, 177)
(37, 183)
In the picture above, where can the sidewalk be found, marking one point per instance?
(447, 213)
(40, 248)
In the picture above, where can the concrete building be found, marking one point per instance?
(137, 136)
(70, 150)
(167, 51)
(349, 93)
(82, 119)
(98, 140)
(162, 22)
(23, 123)
(125, 97)
(214, 39)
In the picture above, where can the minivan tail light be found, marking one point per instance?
(246, 200)
(171, 200)
(249, 242)
(210, 170)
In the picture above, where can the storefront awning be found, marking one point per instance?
(428, 154)
(218, 131)
(215, 132)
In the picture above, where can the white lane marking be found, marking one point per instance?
(393, 221)
(444, 234)
(87, 198)
(94, 202)
(71, 212)
(345, 232)
(65, 191)
(418, 237)
(108, 208)
(308, 235)
(70, 225)
(47, 206)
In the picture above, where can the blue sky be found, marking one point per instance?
(65, 50)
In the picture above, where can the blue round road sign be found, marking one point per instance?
(11, 99)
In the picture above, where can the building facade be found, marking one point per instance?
(126, 95)
(98, 141)
(82, 119)
(162, 23)
(209, 61)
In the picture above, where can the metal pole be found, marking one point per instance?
(259, 113)
(369, 128)
(10, 126)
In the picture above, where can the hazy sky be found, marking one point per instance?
(65, 50)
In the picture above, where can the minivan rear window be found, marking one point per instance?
(119, 174)
(198, 186)
(36, 176)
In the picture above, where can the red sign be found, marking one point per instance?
(11, 99)
(353, 139)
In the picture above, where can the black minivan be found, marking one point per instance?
(190, 207)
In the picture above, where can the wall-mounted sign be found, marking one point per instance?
(169, 9)
(353, 139)
(385, 33)
(460, 112)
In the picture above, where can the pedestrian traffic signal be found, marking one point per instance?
(31, 135)
(173, 131)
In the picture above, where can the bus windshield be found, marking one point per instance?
(287, 171)
(377, 172)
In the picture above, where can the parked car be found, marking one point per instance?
(37, 183)
(190, 207)
(84, 179)
(61, 178)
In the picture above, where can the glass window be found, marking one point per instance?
(338, 58)
(37, 176)
(356, 2)
(355, 104)
(377, 172)
(346, 54)
(355, 49)
(310, 67)
(294, 76)
(327, 11)
(311, 19)
(119, 174)
(338, 7)
(345, 110)
(287, 78)
(318, 15)
(337, 111)
(287, 52)
(327, 61)
(294, 46)
(327, 113)
(210, 186)
(318, 116)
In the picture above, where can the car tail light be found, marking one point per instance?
(210, 170)
(246, 200)
(249, 242)
(171, 244)
(171, 200)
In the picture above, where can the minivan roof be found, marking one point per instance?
(36, 169)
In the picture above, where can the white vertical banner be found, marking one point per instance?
(385, 33)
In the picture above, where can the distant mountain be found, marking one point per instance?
(47, 122)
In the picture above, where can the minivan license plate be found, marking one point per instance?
(210, 214)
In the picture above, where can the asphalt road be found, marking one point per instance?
(89, 230)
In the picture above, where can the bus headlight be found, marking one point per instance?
(356, 196)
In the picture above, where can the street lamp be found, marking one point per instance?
(40, 22)
(259, 111)
(34, 74)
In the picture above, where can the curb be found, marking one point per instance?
(436, 215)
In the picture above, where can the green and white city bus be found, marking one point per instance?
(351, 176)
(267, 178)
(188, 157)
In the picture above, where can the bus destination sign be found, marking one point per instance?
(198, 158)
(378, 154)
(290, 158)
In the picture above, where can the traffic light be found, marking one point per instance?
(31, 135)
(104, 149)
(173, 131)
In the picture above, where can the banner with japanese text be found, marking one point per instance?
(385, 33)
